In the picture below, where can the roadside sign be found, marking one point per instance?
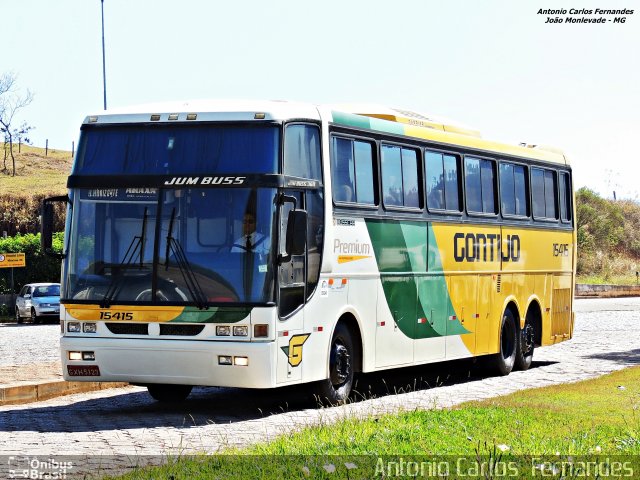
(11, 260)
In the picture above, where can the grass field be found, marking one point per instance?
(35, 172)
(599, 279)
(589, 419)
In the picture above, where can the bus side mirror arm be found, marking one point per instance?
(46, 234)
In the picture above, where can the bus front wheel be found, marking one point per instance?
(336, 389)
(169, 393)
(503, 361)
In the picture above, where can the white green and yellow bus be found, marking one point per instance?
(264, 244)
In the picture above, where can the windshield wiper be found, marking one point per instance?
(137, 243)
(190, 279)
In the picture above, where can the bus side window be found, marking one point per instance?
(391, 175)
(443, 181)
(480, 181)
(544, 192)
(352, 171)
(565, 197)
(400, 176)
(342, 170)
(302, 151)
(513, 190)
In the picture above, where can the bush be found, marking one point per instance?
(608, 235)
(21, 214)
(40, 267)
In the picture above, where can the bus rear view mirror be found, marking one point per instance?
(47, 225)
(296, 240)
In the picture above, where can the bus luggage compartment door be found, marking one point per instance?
(395, 322)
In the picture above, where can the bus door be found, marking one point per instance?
(291, 297)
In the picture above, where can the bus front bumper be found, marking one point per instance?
(174, 362)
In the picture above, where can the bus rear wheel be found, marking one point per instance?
(166, 393)
(335, 390)
(502, 362)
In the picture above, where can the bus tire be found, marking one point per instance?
(524, 349)
(502, 362)
(167, 393)
(335, 390)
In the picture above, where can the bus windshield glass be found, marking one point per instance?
(177, 149)
(190, 246)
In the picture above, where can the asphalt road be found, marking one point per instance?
(124, 422)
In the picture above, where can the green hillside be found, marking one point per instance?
(38, 175)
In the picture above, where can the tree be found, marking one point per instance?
(10, 103)
(20, 135)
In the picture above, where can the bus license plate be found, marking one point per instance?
(83, 370)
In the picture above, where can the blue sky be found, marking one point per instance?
(492, 64)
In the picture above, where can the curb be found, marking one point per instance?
(606, 291)
(28, 393)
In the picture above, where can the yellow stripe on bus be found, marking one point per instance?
(125, 313)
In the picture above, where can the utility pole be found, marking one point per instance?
(104, 70)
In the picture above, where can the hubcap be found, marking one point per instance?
(526, 344)
(340, 364)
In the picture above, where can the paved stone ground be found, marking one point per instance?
(29, 353)
(127, 422)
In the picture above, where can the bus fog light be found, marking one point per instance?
(89, 327)
(224, 360)
(88, 356)
(261, 331)
(73, 327)
(223, 330)
(241, 361)
(75, 355)
(240, 331)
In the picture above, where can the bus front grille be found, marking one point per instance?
(181, 330)
(128, 328)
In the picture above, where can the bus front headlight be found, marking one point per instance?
(73, 327)
(240, 331)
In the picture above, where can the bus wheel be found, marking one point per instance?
(524, 349)
(169, 393)
(335, 390)
(503, 361)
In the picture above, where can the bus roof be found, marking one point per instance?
(437, 129)
(372, 117)
(207, 110)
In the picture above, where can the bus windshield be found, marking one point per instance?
(189, 246)
(177, 149)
